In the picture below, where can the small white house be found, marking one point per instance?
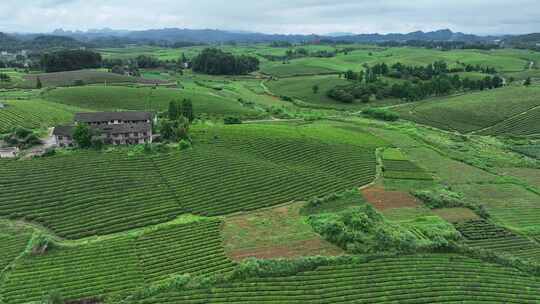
(8, 152)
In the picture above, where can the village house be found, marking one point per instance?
(115, 128)
(8, 152)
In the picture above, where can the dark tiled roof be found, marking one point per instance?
(63, 130)
(108, 116)
(124, 128)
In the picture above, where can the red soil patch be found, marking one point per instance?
(382, 199)
(293, 250)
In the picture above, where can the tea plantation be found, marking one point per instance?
(409, 279)
(435, 203)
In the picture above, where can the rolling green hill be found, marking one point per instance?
(61, 79)
(118, 265)
(230, 169)
(505, 110)
(102, 98)
(407, 279)
(34, 114)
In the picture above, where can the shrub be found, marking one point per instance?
(78, 83)
(232, 120)
(381, 114)
(447, 199)
(184, 144)
(286, 98)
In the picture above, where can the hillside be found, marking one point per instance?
(107, 98)
(510, 110)
(164, 186)
(278, 191)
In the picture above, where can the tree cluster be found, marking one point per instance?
(70, 60)
(216, 62)
(180, 117)
(368, 85)
(442, 45)
(86, 138)
(4, 77)
(22, 138)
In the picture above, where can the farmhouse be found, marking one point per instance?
(116, 128)
(8, 152)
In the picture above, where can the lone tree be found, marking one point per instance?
(83, 136)
(527, 82)
(315, 89)
(186, 110)
(173, 110)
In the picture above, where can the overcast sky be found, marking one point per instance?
(275, 16)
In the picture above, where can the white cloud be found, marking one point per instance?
(275, 16)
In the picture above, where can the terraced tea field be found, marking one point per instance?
(86, 194)
(230, 169)
(117, 265)
(408, 279)
(34, 114)
(507, 110)
(522, 124)
(531, 151)
(193, 248)
(396, 166)
(509, 204)
(14, 242)
(61, 79)
(485, 235)
(101, 98)
(253, 166)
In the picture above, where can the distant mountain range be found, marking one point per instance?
(219, 36)
(171, 36)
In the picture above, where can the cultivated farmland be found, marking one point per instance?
(131, 98)
(507, 110)
(118, 265)
(63, 79)
(485, 235)
(34, 114)
(277, 207)
(157, 188)
(409, 279)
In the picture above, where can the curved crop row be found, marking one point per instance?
(411, 279)
(86, 193)
(200, 245)
(33, 114)
(485, 235)
(95, 193)
(526, 124)
(117, 265)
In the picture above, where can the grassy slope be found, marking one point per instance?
(475, 111)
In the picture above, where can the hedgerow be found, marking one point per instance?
(437, 199)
